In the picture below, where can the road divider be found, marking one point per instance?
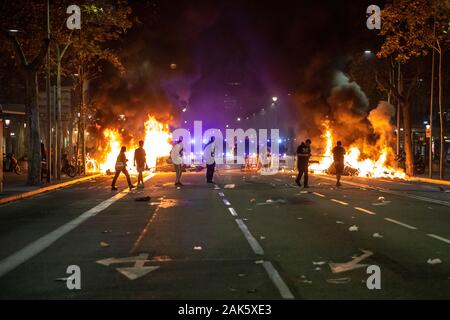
(251, 240)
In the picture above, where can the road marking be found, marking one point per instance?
(233, 212)
(401, 194)
(340, 202)
(227, 203)
(13, 261)
(401, 223)
(319, 194)
(439, 238)
(251, 240)
(132, 273)
(351, 265)
(221, 194)
(365, 210)
(277, 280)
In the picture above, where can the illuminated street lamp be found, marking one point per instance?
(274, 99)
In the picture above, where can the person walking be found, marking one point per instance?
(303, 155)
(176, 154)
(121, 166)
(209, 154)
(140, 163)
(338, 157)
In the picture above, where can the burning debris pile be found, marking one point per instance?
(367, 137)
(156, 139)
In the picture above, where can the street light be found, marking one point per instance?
(274, 99)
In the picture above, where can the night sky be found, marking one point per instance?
(204, 55)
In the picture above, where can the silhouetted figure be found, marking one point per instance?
(140, 162)
(176, 154)
(209, 154)
(121, 166)
(338, 157)
(303, 155)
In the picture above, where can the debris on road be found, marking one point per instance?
(272, 201)
(353, 228)
(319, 263)
(299, 218)
(143, 199)
(241, 275)
(377, 235)
(339, 280)
(262, 237)
(106, 231)
(104, 244)
(259, 261)
(318, 268)
(229, 186)
(232, 289)
(198, 248)
(339, 222)
(381, 201)
(252, 200)
(434, 261)
(351, 265)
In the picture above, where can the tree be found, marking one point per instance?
(25, 44)
(411, 28)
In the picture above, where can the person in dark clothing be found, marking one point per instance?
(303, 155)
(338, 157)
(209, 154)
(121, 166)
(140, 162)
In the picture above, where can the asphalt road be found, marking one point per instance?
(247, 237)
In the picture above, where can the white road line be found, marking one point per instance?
(233, 212)
(318, 194)
(439, 238)
(221, 194)
(227, 203)
(340, 202)
(401, 223)
(251, 240)
(13, 261)
(278, 281)
(365, 210)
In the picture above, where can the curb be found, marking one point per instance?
(428, 180)
(52, 187)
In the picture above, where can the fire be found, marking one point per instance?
(156, 144)
(375, 168)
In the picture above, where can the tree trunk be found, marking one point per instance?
(441, 120)
(33, 138)
(59, 129)
(407, 139)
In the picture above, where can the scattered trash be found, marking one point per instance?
(431, 208)
(381, 202)
(178, 188)
(143, 199)
(299, 218)
(318, 269)
(245, 219)
(229, 186)
(232, 289)
(434, 261)
(339, 280)
(161, 258)
(252, 200)
(353, 228)
(251, 290)
(262, 238)
(241, 275)
(249, 209)
(303, 192)
(351, 265)
(106, 231)
(259, 261)
(198, 248)
(377, 235)
(104, 244)
(319, 263)
(339, 222)
(272, 201)
(306, 281)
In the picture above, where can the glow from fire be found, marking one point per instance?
(156, 144)
(353, 158)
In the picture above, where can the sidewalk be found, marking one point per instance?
(15, 188)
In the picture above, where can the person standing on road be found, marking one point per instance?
(140, 162)
(303, 155)
(338, 157)
(176, 154)
(121, 166)
(209, 154)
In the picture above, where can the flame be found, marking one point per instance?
(375, 168)
(156, 144)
